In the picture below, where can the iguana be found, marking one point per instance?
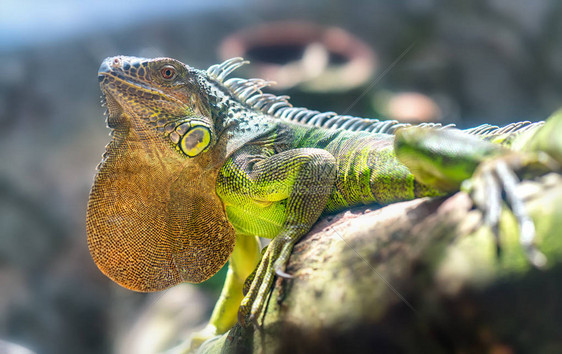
(200, 166)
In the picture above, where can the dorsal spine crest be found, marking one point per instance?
(248, 92)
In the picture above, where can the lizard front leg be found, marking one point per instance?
(288, 191)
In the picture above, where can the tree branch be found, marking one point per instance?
(417, 276)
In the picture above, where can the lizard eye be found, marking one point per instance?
(168, 72)
(196, 140)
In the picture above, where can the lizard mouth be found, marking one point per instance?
(112, 77)
(113, 108)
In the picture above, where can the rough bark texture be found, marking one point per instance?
(418, 276)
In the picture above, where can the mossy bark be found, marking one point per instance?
(418, 276)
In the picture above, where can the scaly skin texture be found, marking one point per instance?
(197, 162)
(147, 208)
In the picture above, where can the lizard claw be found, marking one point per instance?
(273, 263)
(496, 180)
(281, 273)
(526, 225)
(253, 319)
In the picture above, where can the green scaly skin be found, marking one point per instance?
(274, 176)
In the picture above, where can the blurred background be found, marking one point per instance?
(466, 62)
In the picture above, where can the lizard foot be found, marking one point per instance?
(273, 262)
(496, 180)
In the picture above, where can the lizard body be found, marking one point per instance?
(198, 163)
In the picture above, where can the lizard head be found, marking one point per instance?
(153, 217)
(162, 93)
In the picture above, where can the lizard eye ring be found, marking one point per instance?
(168, 72)
(195, 140)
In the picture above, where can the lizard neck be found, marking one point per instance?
(235, 122)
